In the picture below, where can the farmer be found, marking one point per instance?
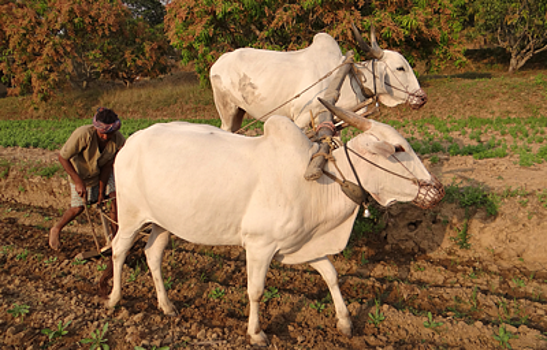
(88, 156)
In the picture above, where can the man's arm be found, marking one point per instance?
(78, 182)
(106, 171)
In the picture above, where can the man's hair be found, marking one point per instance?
(107, 116)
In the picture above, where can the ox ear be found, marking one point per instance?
(351, 118)
(381, 148)
(375, 51)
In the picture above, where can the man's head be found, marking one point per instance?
(106, 122)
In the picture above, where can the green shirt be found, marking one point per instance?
(82, 149)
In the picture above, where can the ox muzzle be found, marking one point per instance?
(430, 193)
(417, 99)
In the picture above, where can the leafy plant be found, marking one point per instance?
(318, 305)
(97, 340)
(270, 293)
(364, 259)
(19, 311)
(472, 196)
(101, 267)
(462, 236)
(519, 282)
(78, 261)
(347, 253)
(6, 249)
(542, 197)
(474, 299)
(419, 268)
(50, 260)
(217, 293)
(58, 333)
(377, 317)
(430, 323)
(22, 256)
(134, 274)
(5, 167)
(504, 336)
(168, 283)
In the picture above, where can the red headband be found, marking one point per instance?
(103, 127)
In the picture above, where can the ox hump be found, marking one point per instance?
(325, 43)
(282, 129)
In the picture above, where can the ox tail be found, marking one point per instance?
(107, 276)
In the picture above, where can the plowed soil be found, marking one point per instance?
(407, 286)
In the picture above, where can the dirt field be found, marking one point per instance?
(411, 278)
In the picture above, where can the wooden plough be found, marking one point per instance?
(107, 236)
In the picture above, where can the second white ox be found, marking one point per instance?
(211, 187)
(259, 81)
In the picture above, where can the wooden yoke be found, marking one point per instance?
(315, 168)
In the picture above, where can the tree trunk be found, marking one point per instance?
(513, 64)
(518, 59)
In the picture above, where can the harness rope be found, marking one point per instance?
(294, 98)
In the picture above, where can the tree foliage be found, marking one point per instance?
(203, 30)
(519, 26)
(152, 11)
(45, 44)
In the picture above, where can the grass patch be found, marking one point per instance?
(472, 196)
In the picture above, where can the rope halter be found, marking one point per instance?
(429, 194)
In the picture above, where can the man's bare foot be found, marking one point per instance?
(54, 238)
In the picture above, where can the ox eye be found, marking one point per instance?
(399, 149)
(402, 69)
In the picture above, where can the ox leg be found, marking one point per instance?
(258, 261)
(120, 247)
(329, 274)
(233, 120)
(230, 113)
(158, 240)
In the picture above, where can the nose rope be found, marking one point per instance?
(415, 179)
(429, 192)
(414, 95)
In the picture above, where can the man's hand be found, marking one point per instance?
(81, 189)
(100, 199)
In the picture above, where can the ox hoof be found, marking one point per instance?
(109, 303)
(169, 309)
(259, 339)
(345, 327)
(172, 313)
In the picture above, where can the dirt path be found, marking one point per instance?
(430, 292)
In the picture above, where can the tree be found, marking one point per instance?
(45, 44)
(519, 26)
(203, 30)
(152, 11)
(141, 51)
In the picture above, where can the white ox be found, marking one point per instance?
(212, 187)
(258, 81)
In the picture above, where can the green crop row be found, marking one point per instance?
(479, 137)
(52, 134)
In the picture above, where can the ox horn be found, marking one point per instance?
(351, 118)
(375, 51)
